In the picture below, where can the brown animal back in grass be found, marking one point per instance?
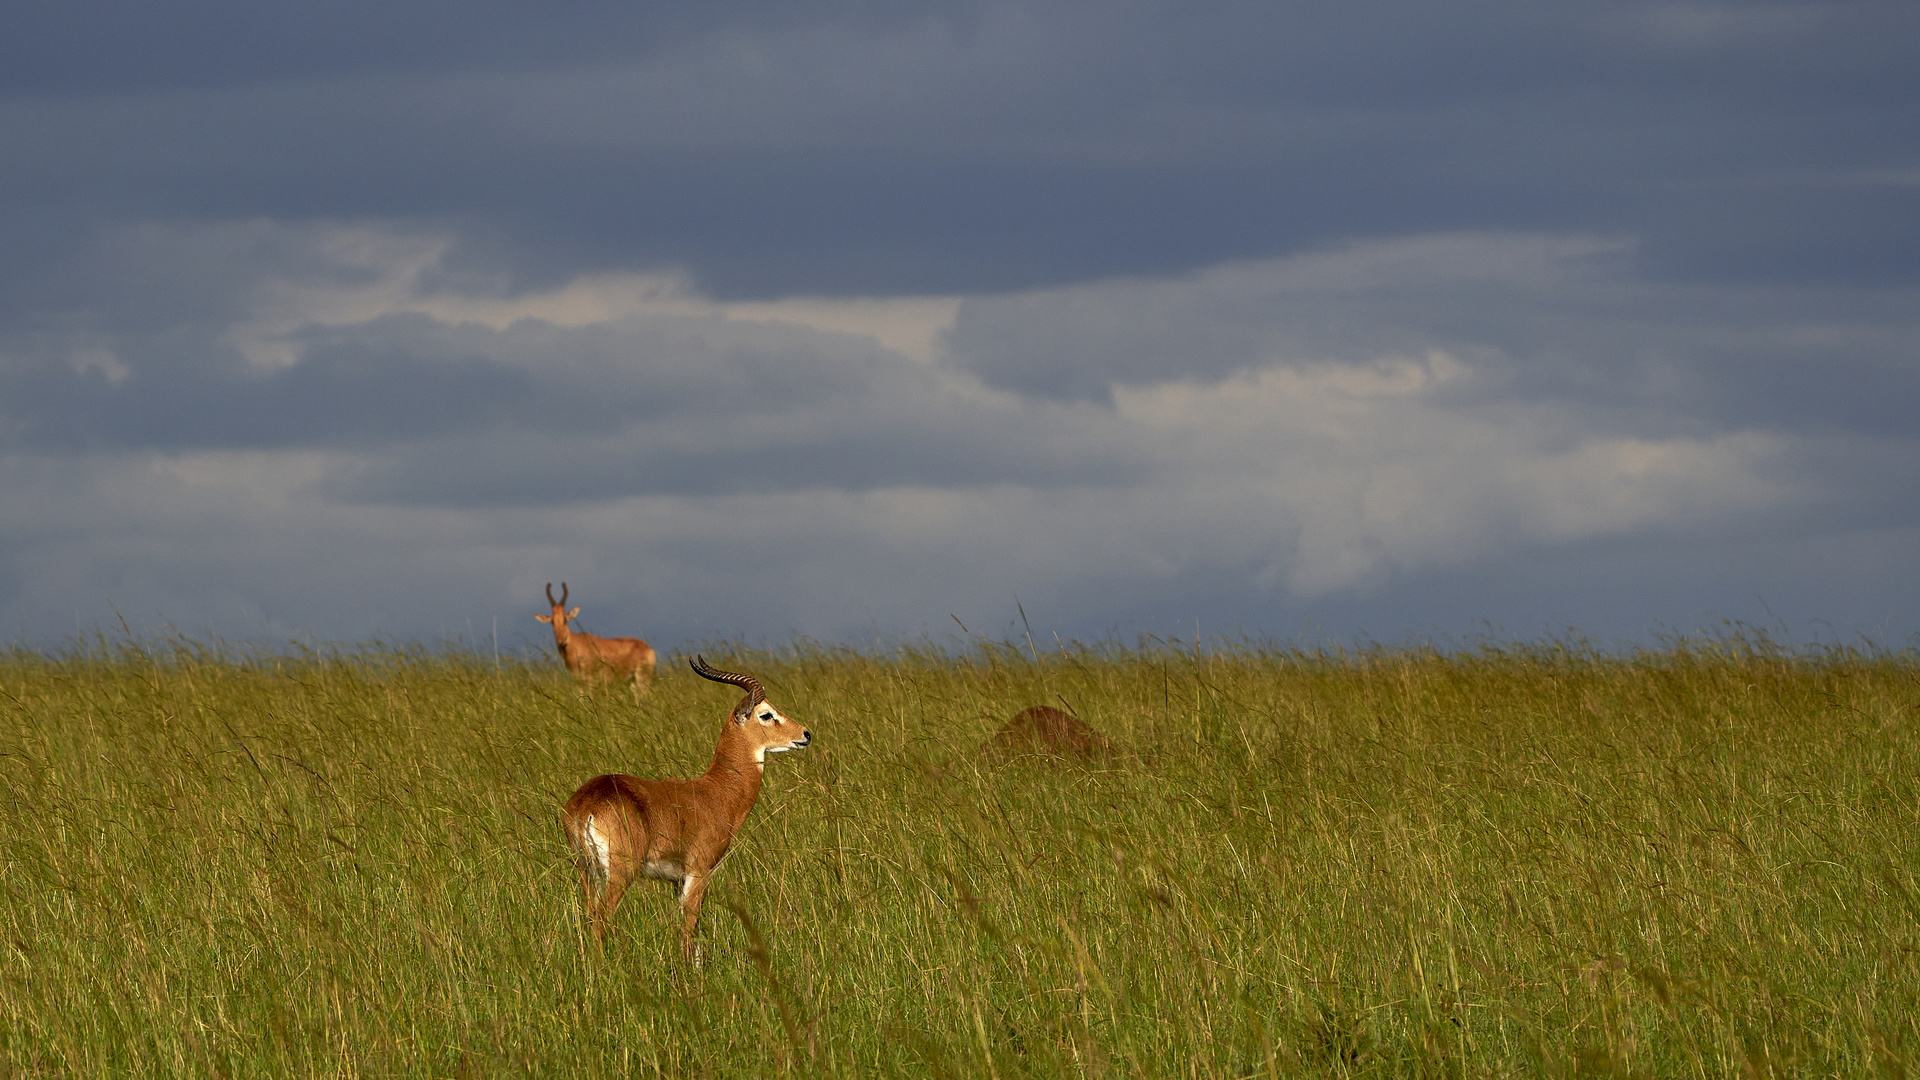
(1046, 731)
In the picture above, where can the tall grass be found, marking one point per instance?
(1700, 860)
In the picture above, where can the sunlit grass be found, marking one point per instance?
(1507, 861)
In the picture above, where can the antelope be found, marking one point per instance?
(620, 827)
(598, 658)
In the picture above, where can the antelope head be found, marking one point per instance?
(766, 729)
(560, 613)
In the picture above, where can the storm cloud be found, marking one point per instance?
(845, 319)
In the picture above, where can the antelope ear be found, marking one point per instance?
(574, 614)
(544, 618)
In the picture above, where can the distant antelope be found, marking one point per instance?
(676, 830)
(598, 658)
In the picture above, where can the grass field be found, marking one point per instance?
(1702, 860)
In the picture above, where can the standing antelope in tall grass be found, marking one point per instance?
(677, 830)
(598, 658)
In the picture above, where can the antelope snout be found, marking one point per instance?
(791, 744)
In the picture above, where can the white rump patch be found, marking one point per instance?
(594, 847)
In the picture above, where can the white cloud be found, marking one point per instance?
(374, 272)
(707, 468)
(102, 360)
(378, 272)
(1379, 476)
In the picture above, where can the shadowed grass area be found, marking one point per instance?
(1507, 861)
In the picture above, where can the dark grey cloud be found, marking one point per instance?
(1371, 317)
(992, 147)
(1541, 318)
(119, 45)
(453, 413)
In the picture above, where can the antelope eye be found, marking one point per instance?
(766, 716)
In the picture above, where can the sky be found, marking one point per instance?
(1370, 321)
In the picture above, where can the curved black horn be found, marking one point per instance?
(746, 682)
(563, 594)
(550, 598)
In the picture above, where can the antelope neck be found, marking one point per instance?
(733, 767)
